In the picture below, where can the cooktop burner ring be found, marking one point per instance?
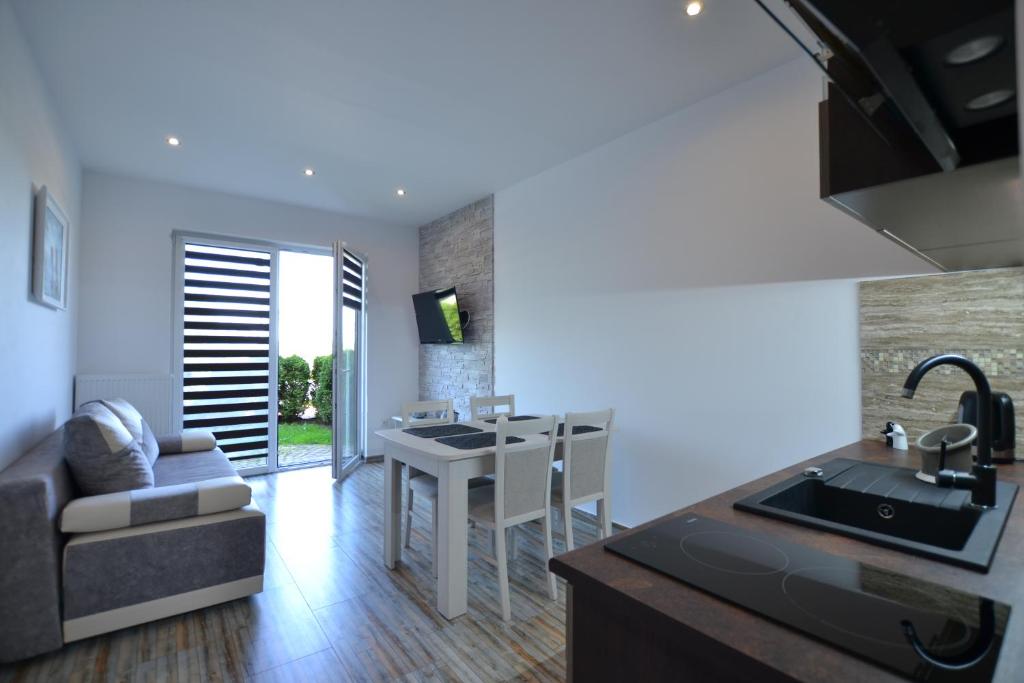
(895, 642)
(755, 551)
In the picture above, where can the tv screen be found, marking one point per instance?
(437, 316)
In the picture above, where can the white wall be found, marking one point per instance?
(37, 355)
(127, 282)
(688, 275)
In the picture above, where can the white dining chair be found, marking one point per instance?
(423, 484)
(586, 471)
(429, 412)
(519, 494)
(483, 407)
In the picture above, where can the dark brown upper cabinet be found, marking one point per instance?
(920, 127)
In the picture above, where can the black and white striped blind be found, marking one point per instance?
(352, 282)
(227, 349)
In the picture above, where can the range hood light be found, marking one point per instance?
(973, 50)
(989, 100)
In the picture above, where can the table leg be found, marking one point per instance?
(453, 510)
(392, 510)
(604, 518)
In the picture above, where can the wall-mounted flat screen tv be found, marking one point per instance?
(437, 316)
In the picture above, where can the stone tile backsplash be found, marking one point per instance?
(978, 314)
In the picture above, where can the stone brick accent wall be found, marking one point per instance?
(458, 250)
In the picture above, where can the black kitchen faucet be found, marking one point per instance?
(981, 480)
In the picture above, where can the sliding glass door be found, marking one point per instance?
(228, 313)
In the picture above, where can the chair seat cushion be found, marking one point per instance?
(557, 482)
(426, 485)
(481, 504)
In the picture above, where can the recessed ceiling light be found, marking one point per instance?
(989, 100)
(973, 50)
(173, 141)
(309, 172)
(694, 8)
(400, 192)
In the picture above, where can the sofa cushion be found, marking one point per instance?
(187, 441)
(187, 468)
(159, 504)
(136, 425)
(102, 454)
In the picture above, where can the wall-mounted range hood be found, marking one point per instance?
(920, 127)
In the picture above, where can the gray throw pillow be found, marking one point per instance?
(150, 446)
(127, 414)
(102, 454)
(137, 426)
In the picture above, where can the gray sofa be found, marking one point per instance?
(74, 566)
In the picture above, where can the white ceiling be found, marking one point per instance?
(452, 99)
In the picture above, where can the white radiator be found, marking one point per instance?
(150, 394)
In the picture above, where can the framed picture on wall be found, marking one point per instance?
(50, 252)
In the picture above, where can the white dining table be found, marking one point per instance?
(453, 468)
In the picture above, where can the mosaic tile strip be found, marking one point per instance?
(1007, 362)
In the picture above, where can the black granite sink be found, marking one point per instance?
(889, 506)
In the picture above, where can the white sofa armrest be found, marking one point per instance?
(186, 441)
(145, 506)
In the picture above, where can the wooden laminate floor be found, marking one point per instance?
(330, 611)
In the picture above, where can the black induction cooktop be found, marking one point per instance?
(922, 630)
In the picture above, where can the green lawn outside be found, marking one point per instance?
(296, 433)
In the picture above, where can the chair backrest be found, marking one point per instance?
(487, 406)
(523, 472)
(587, 457)
(444, 410)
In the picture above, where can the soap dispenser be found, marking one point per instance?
(895, 436)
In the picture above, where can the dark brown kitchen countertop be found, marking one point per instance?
(783, 649)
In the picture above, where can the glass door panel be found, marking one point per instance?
(226, 346)
(305, 337)
(350, 274)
